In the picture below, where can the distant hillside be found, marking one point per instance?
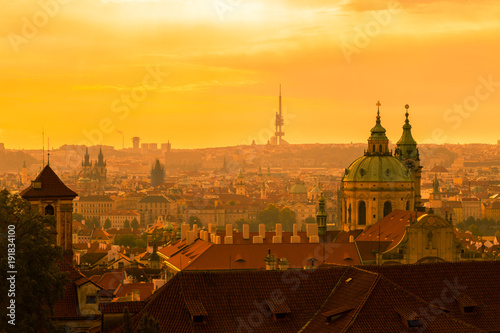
(12, 161)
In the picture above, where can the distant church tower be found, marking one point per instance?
(407, 152)
(50, 196)
(240, 184)
(86, 165)
(24, 174)
(321, 216)
(100, 170)
(157, 174)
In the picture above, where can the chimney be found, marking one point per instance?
(110, 255)
(158, 283)
(262, 230)
(212, 228)
(351, 239)
(228, 240)
(295, 239)
(229, 230)
(246, 231)
(190, 237)
(283, 264)
(270, 261)
(132, 257)
(184, 229)
(136, 296)
(212, 238)
(195, 229)
(277, 239)
(217, 239)
(312, 229)
(204, 235)
(279, 229)
(116, 256)
(77, 257)
(295, 229)
(258, 240)
(314, 239)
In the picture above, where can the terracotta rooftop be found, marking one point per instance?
(145, 289)
(51, 187)
(391, 228)
(334, 299)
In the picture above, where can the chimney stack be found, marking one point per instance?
(184, 229)
(246, 231)
(258, 240)
(262, 230)
(190, 237)
(295, 228)
(279, 229)
(312, 229)
(229, 230)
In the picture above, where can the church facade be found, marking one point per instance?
(379, 182)
(93, 176)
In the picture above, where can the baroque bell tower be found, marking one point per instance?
(407, 152)
(51, 196)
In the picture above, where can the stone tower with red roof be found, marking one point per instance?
(51, 196)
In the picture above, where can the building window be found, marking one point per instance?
(49, 210)
(91, 299)
(362, 213)
(387, 208)
(408, 205)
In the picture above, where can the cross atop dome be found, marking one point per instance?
(378, 109)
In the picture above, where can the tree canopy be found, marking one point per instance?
(38, 282)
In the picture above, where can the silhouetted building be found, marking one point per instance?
(157, 174)
(51, 196)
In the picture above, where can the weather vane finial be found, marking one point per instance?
(407, 114)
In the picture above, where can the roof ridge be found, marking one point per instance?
(346, 269)
(362, 303)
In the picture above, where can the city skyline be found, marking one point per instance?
(207, 73)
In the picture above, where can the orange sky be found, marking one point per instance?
(88, 66)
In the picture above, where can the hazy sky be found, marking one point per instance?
(207, 72)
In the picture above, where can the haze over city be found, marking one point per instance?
(69, 66)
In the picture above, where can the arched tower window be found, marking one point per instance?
(362, 213)
(407, 204)
(387, 208)
(380, 148)
(49, 210)
(373, 148)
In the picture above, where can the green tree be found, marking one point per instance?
(287, 218)
(475, 230)
(77, 217)
(193, 219)
(125, 240)
(38, 280)
(126, 224)
(148, 325)
(461, 226)
(310, 219)
(239, 224)
(269, 216)
(127, 321)
(470, 220)
(140, 243)
(135, 223)
(107, 224)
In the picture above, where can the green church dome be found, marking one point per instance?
(298, 188)
(378, 168)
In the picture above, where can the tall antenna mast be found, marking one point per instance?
(279, 122)
(43, 148)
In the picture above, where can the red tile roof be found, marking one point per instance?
(145, 289)
(352, 299)
(51, 187)
(391, 228)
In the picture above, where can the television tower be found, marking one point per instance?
(279, 123)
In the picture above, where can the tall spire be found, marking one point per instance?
(407, 146)
(378, 143)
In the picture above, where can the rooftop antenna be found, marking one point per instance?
(48, 150)
(43, 148)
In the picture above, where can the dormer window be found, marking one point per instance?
(280, 310)
(409, 317)
(37, 185)
(197, 311)
(467, 304)
(334, 315)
